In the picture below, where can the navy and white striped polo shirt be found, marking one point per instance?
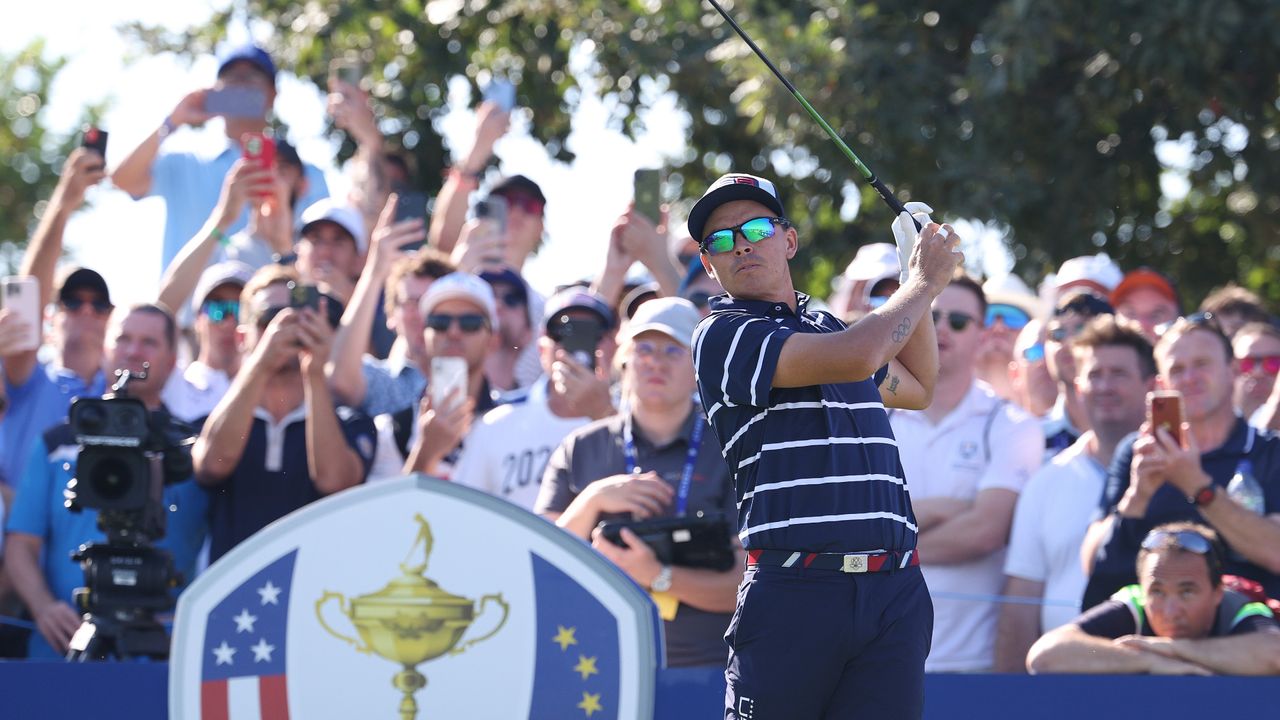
(815, 468)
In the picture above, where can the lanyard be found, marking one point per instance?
(686, 475)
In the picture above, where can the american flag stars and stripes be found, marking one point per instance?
(243, 667)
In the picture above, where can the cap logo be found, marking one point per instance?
(746, 180)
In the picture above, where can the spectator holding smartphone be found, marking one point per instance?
(459, 320)
(508, 449)
(659, 459)
(189, 181)
(40, 393)
(1223, 472)
(464, 177)
(276, 441)
(372, 177)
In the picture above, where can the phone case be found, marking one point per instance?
(1164, 409)
(95, 139)
(493, 208)
(20, 294)
(236, 102)
(647, 191)
(502, 93)
(447, 375)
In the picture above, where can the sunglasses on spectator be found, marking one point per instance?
(73, 304)
(754, 230)
(1085, 304)
(1014, 318)
(467, 323)
(1185, 539)
(219, 310)
(526, 202)
(1270, 364)
(652, 351)
(957, 321)
(699, 299)
(1033, 353)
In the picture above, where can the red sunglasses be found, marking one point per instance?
(1270, 363)
(526, 202)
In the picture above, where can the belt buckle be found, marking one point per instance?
(855, 563)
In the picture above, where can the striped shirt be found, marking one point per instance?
(815, 468)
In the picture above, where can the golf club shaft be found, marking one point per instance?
(885, 193)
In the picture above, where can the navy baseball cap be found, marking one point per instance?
(734, 186)
(251, 53)
(576, 298)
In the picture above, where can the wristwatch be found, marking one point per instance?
(1204, 495)
(662, 583)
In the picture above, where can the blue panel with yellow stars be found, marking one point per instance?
(576, 672)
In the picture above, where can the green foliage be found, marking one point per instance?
(30, 157)
(1041, 116)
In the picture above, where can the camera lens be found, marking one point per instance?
(92, 419)
(111, 478)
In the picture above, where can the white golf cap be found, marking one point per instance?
(673, 317)
(1097, 273)
(874, 261)
(215, 276)
(461, 286)
(347, 218)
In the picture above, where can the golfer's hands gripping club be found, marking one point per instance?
(935, 257)
(905, 235)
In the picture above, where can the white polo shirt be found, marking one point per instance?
(195, 392)
(508, 448)
(984, 443)
(1054, 511)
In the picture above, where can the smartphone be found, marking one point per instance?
(95, 139)
(411, 206)
(448, 374)
(648, 193)
(259, 149)
(579, 338)
(236, 102)
(501, 92)
(20, 295)
(346, 71)
(493, 208)
(1164, 409)
(304, 296)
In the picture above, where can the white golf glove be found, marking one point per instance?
(904, 234)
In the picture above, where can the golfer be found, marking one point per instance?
(833, 618)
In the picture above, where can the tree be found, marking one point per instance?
(1044, 117)
(30, 156)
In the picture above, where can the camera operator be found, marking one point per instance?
(276, 442)
(43, 533)
(657, 460)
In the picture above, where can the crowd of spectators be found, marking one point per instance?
(1059, 531)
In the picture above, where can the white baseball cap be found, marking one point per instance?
(874, 261)
(345, 217)
(671, 316)
(215, 276)
(461, 286)
(1096, 273)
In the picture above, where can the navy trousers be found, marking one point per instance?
(822, 644)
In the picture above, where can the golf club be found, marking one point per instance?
(885, 193)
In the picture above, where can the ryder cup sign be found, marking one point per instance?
(413, 599)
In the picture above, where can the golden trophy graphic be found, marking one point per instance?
(411, 620)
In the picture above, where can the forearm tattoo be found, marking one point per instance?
(902, 332)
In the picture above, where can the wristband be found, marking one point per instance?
(220, 236)
(167, 127)
(461, 174)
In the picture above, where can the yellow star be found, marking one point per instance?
(590, 703)
(565, 637)
(586, 666)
